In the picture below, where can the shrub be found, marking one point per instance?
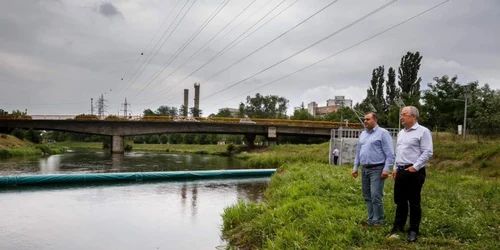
(230, 148)
(128, 147)
(5, 153)
(19, 133)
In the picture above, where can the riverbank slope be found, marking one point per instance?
(11, 146)
(312, 205)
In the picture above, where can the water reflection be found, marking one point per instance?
(50, 164)
(162, 215)
(100, 162)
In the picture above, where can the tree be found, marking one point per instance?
(223, 113)
(485, 110)
(195, 112)
(183, 110)
(148, 112)
(392, 91)
(33, 136)
(164, 139)
(271, 106)
(444, 106)
(3, 112)
(167, 111)
(302, 114)
(409, 81)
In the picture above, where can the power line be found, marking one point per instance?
(306, 48)
(220, 52)
(265, 45)
(341, 51)
(195, 54)
(168, 17)
(255, 30)
(173, 30)
(185, 45)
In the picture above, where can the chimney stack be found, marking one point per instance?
(197, 96)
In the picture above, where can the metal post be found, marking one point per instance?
(466, 96)
(465, 119)
(399, 120)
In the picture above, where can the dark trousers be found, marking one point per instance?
(335, 160)
(407, 188)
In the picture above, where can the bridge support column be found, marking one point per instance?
(118, 145)
(250, 139)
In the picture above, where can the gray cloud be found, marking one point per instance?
(109, 10)
(64, 53)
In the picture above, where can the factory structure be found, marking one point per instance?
(196, 100)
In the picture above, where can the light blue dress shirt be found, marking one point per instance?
(414, 147)
(374, 147)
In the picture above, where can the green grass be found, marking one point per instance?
(11, 146)
(174, 148)
(312, 205)
(278, 155)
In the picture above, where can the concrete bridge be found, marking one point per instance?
(121, 128)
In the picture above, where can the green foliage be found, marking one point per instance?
(183, 110)
(302, 114)
(315, 206)
(230, 147)
(164, 139)
(19, 133)
(3, 112)
(195, 112)
(271, 106)
(485, 108)
(128, 147)
(444, 106)
(409, 81)
(33, 136)
(167, 111)
(5, 153)
(154, 139)
(392, 92)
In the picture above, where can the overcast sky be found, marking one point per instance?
(55, 55)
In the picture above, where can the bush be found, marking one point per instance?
(19, 133)
(128, 147)
(5, 153)
(33, 136)
(230, 148)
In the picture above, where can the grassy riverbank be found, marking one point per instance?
(311, 205)
(11, 146)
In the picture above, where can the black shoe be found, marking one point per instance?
(412, 236)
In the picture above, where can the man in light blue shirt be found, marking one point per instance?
(376, 154)
(413, 149)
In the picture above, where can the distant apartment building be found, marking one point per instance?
(332, 105)
(233, 111)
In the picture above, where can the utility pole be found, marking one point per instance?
(467, 95)
(125, 108)
(101, 107)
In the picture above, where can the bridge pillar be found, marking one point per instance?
(250, 139)
(118, 145)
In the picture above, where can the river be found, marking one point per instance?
(156, 215)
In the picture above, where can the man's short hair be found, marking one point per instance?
(374, 115)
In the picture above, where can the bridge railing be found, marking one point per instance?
(262, 121)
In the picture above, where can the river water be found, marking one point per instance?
(156, 215)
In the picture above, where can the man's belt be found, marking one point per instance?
(404, 166)
(373, 165)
